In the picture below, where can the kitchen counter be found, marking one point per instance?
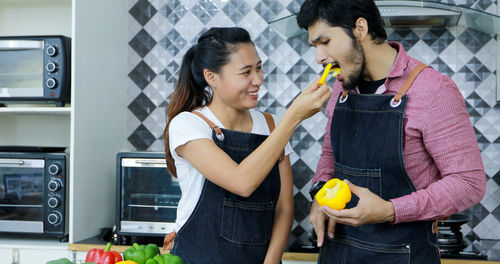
(91, 243)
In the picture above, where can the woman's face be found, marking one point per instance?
(238, 82)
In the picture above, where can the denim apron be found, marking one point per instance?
(367, 144)
(224, 227)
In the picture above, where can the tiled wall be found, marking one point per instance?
(160, 31)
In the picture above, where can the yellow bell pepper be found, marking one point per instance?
(334, 194)
(126, 262)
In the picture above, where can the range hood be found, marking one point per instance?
(413, 14)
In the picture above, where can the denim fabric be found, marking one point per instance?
(367, 135)
(227, 228)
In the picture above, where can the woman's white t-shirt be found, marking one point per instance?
(186, 127)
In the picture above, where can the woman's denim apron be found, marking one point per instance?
(224, 227)
(367, 138)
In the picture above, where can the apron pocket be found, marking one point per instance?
(368, 178)
(247, 222)
(366, 252)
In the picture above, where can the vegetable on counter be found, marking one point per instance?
(105, 256)
(165, 259)
(141, 253)
(334, 194)
(126, 262)
(60, 261)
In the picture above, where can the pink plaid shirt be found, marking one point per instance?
(441, 154)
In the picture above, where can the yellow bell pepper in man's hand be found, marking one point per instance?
(334, 194)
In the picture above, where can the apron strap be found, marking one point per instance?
(408, 82)
(270, 124)
(217, 129)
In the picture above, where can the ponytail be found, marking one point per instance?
(188, 95)
(213, 51)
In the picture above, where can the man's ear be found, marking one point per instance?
(210, 77)
(361, 29)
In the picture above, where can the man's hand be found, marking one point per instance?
(317, 219)
(370, 209)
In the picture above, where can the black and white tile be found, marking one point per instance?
(160, 31)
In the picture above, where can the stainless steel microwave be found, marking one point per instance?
(35, 69)
(33, 193)
(147, 195)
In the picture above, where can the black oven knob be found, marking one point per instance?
(51, 83)
(54, 169)
(53, 202)
(54, 218)
(51, 51)
(54, 185)
(51, 67)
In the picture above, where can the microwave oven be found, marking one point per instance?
(33, 193)
(35, 69)
(147, 195)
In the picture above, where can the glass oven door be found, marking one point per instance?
(21, 195)
(149, 197)
(21, 68)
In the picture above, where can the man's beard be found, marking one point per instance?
(357, 57)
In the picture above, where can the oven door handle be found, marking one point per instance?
(15, 162)
(159, 162)
(21, 44)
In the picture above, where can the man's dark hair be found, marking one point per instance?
(343, 13)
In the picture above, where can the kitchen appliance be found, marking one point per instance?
(451, 241)
(147, 195)
(33, 193)
(35, 69)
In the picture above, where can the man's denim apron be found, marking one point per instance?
(367, 144)
(224, 227)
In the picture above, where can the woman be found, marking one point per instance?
(237, 197)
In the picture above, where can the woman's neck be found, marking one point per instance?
(232, 119)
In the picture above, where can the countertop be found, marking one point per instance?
(91, 243)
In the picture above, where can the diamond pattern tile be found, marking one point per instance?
(301, 174)
(142, 11)
(438, 39)
(204, 10)
(141, 138)
(269, 9)
(173, 10)
(142, 74)
(406, 36)
(236, 10)
(142, 43)
(142, 106)
(160, 32)
(474, 40)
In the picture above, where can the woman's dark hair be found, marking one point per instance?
(343, 13)
(212, 52)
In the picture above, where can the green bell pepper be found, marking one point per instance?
(141, 253)
(172, 259)
(60, 261)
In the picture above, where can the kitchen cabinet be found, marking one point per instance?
(41, 255)
(93, 126)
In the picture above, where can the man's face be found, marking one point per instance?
(334, 45)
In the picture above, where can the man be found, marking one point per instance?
(398, 132)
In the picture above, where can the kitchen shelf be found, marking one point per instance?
(36, 110)
(470, 18)
(24, 242)
(16, 2)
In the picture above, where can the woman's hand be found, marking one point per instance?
(311, 100)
